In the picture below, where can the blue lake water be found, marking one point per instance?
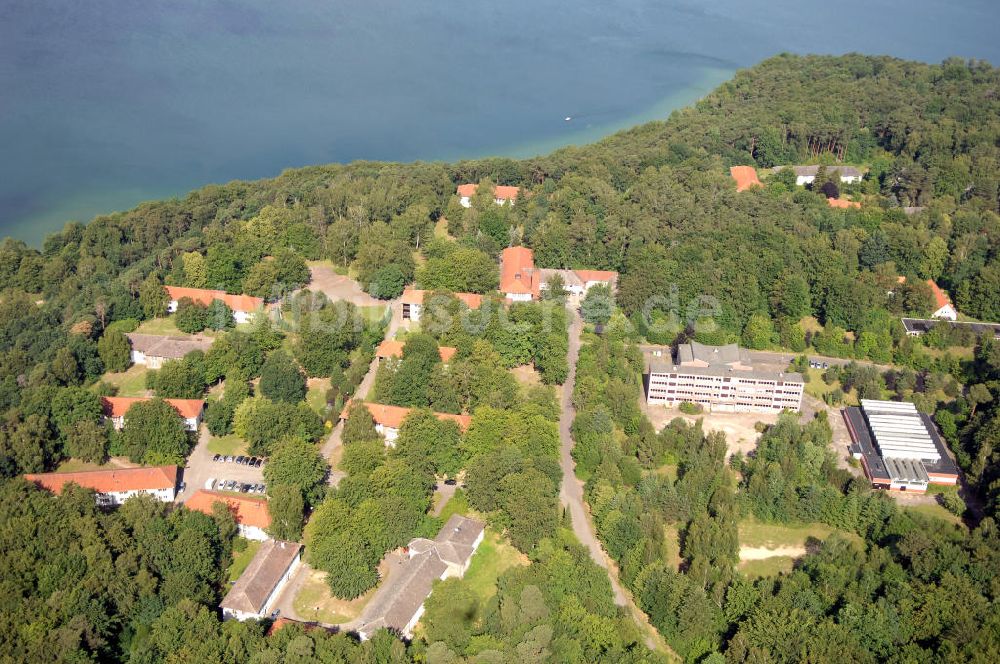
(105, 103)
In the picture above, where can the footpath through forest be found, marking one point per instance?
(571, 495)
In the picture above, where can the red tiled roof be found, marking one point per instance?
(246, 303)
(118, 406)
(596, 275)
(416, 296)
(502, 192)
(506, 193)
(517, 271)
(393, 416)
(745, 176)
(108, 481)
(941, 298)
(390, 348)
(246, 510)
(842, 203)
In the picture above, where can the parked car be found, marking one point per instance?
(240, 459)
(229, 459)
(210, 483)
(257, 463)
(228, 486)
(217, 457)
(451, 482)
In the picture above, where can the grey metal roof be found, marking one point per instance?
(261, 576)
(720, 360)
(395, 603)
(923, 325)
(906, 470)
(167, 347)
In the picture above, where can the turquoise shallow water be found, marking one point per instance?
(109, 102)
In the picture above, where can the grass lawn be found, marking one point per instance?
(231, 444)
(314, 602)
(242, 558)
(163, 326)
(491, 559)
(77, 465)
(937, 511)
(458, 504)
(672, 546)
(767, 567)
(316, 395)
(772, 535)
(817, 387)
(373, 313)
(130, 383)
(668, 470)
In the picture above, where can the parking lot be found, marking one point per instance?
(201, 468)
(226, 466)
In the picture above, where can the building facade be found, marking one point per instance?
(114, 487)
(721, 379)
(502, 195)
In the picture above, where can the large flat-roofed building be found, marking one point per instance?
(899, 447)
(399, 604)
(720, 378)
(255, 592)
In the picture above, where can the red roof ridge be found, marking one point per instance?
(205, 296)
(393, 416)
(247, 510)
(119, 406)
(110, 480)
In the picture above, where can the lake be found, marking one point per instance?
(106, 103)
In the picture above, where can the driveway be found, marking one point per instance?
(200, 468)
(329, 448)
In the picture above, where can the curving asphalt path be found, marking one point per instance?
(571, 496)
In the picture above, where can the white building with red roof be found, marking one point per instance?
(389, 419)
(190, 410)
(114, 487)
(502, 195)
(244, 307)
(943, 308)
(521, 281)
(252, 515)
(412, 302)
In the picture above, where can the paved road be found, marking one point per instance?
(571, 492)
(200, 468)
(571, 496)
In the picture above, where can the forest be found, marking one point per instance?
(774, 267)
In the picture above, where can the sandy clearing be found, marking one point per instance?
(760, 553)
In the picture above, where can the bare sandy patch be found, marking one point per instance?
(760, 553)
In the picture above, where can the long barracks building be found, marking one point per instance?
(722, 379)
